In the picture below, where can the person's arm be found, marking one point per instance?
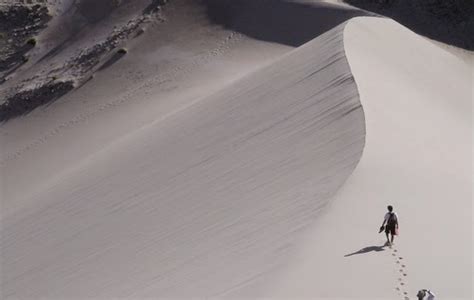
(384, 221)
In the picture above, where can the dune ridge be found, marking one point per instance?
(223, 157)
(166, 68)
(417, 99)
(265, 154)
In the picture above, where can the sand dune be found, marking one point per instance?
(220, 185)
(227, 154)
(417, 158)
(171, 65)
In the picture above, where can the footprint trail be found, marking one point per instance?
(401, 286)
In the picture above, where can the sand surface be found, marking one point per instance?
(418, 158)
(239, 157)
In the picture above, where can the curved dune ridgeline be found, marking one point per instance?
(173, 56)
(200, 201)
(417, 100)
(232, 149)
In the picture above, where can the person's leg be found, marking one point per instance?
(386, 234)
(392, 232)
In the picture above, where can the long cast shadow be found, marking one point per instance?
(367, 250)
(286, 22)
(112, 60)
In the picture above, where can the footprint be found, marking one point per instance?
(397, 288)
(402, 283)
(400, 257)
(407, 298)
(403, 266)
(404, 274)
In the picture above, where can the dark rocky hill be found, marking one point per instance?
(448, 21)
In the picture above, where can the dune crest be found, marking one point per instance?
(233, 148)
(417, 100)
(222, 184)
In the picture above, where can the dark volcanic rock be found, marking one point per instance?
(18, 25)
(25, 101)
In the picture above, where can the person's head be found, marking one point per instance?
(390, 208)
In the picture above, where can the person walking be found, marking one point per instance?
(390, 224)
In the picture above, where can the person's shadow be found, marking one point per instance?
(367, 250)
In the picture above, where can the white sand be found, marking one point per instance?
(417, 99)
(166, 69)
(201, 200)
(199, 180)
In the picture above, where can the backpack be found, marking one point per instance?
(425, 295)
(392, 220)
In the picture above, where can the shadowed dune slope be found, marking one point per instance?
(291, 23)
(201, 201)
(181, 54)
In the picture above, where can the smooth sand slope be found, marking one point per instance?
(192, 166)
(203, 199)
(184, 58)
(417, 99)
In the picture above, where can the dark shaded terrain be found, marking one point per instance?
(24, 102)
(448, 21)
(95, 10)
(274, 21)
(18, 25)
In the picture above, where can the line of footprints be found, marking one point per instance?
(401, 268)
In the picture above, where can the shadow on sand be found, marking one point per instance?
(112, 60)
(367, 250)
(274, 20)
